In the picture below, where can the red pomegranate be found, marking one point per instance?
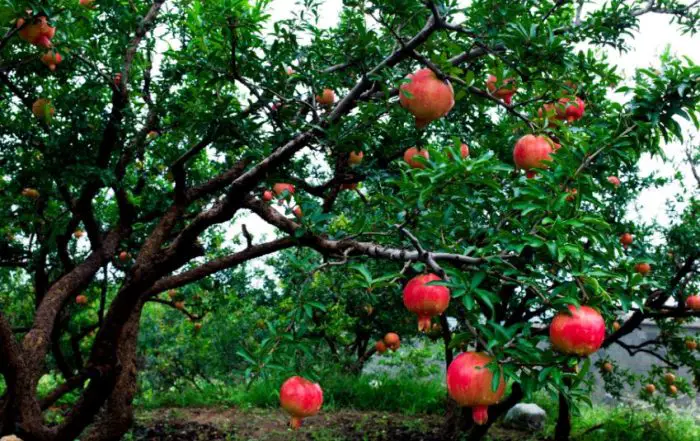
(579, 331)
(530, 151)
(469, 384)
(425, 300)
(301, 398)
(326, 98)
(37, 32)
(392, 341)
(280, 188)
(267, 196)
(463, 151)
(505, 92)
(51, 59)
(643, 268)
(626, 240)
(614, 180)
(354, 158)
(380, 346)
(693, 302)
(426, 96)
(411, 153)
(81, 299)
(573, 111)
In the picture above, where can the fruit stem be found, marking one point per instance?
(295, 423)
(424, 324)
(480, 415)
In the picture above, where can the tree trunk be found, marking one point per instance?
(563, 428)
(117, 415)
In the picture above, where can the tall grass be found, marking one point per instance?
(380, 393)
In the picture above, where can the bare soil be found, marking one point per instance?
(213, 424)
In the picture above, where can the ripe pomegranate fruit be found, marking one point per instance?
(616, 326)
(553, 113)
(355, 158)
(424, 300)
(571, 196)
(669, 378)
(469, 384)
(608, 367)
(411, 153)
(505, 92)
(672, 390)
(614, 180)
(87, 4)
(626, 240)
(51, 59)
(180, 305)
(267, 196)
(693, 302)
(573, 111)
(301, 398)
(530, 151)
(691, 345)
(463, 151)
(281, 188)
(297, 212)
(81, 299)
(650, 388)
(30, 193)
(380, 346)
(392, 341)
(38, 32)
(642, 268)
(579, 331)
(152, 135)
(426, 97)
(326, 98)
(43, 110)
(123, 256)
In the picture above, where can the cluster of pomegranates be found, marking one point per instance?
(390, 341)
(285, 193)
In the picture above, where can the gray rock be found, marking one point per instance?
(526, 416)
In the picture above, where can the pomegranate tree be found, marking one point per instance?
(425, 300)
(426, 96)
(469, 383)
(577, 331)
(301, 398)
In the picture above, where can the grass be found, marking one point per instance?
(379, 393)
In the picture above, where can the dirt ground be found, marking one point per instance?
(271, 425)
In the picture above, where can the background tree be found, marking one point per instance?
(126, 159)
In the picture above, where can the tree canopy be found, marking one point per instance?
(136, 137)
